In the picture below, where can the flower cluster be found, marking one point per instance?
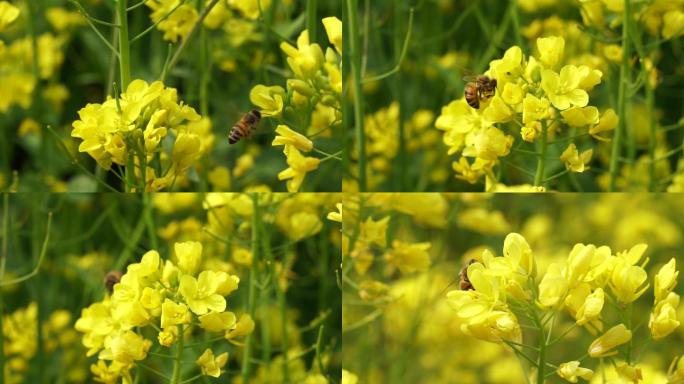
(368, 240)
(539, 95)
(172, 298)
(20, 333)
(176, 18)
(312, 98)
(504, 288)
(16, 63)
(146, 130)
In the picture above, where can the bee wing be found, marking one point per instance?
(470, 78)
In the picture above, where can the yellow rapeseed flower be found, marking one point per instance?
(571, 370)
(574, 161)
(299, 166)
(200, 294)
(286, 136)
(270, 100)
(8, 14)
(333, 28)
(605, 344)
(210, 365)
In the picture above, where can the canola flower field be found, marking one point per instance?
(587, 97)
(221, 191)
(222, 286)
(141, 96)
(550, 296)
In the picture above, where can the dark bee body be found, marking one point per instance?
(245, 126)
(464, 282)
(110, 280)
(481, 87)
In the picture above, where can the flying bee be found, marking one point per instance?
(480, 87)
(464, 282)
(110, 280)
(245, 126)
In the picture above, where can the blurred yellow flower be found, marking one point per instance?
(8, 14)
(535, 109)
(571, 370)
(305, 59)
(375, 231)
(673, 24)
(174, 313)
(607, 122)
(250, 9)
(663, 320)
(287, 136)
(299, 166)
(409, 257)
(174, 17)
(628, 282)
(675, 374)
(603, 346)
(218, 321)
(665, 280)
(243, 327)
(550, 50)
(189, 256)
(581, 116)
(349, 378)
(336, 216)
(333, 28)
(574, 161)
(211, 366)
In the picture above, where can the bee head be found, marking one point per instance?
(256, 113)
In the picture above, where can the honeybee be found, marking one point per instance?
(110, 280)
(479, 87)
(464, 282)
(245, 126)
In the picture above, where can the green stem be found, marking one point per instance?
(400, 97)
(355, 56)
(124, 49)
(541, 160)
(3, 258)
(251, 301)
(311, 19)
(622, 99)
(282, 303)
(149, 220)
(176, 377)
(541, 357)
(652, 136)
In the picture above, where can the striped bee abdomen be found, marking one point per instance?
(245, 126)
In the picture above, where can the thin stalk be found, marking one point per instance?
(400, 96)
(124, 48)
(622, 99)
(149, 220)
(3, 258)
(184, 43)
(652, 136)
(311, 19)
(176, 377)
(355, 56)
(541, 160)
(282, 304)
(41, 257)
(541, 357)
(251, 301)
